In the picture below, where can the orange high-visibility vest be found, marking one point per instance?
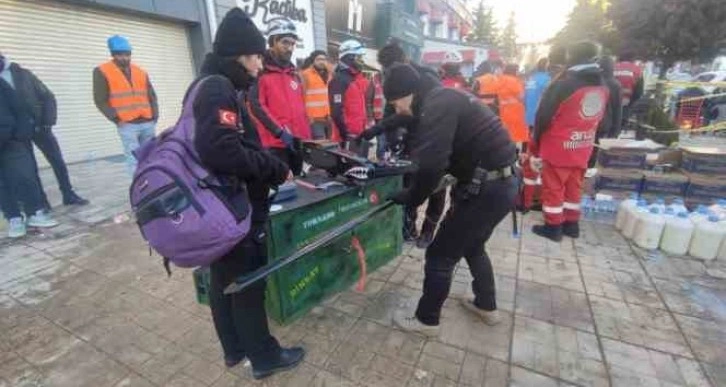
(316, 94)
(488, 90)
(131, 101)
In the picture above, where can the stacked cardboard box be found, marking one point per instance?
(621, 164)
(706, 170)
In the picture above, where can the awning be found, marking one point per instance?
(423, 6)
(437, 15)
(437, 57)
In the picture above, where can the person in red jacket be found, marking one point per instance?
(277, 101)
(565, 127)
(630, 77)
(451, 71)
(348, 92)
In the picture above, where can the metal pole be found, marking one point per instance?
(246, 280)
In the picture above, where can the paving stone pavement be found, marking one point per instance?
(85, 305)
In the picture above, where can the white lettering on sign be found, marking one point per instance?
(353, 205)
(319, 219)
(298, 11)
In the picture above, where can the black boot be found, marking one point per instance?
(553, 233)
(289, 358)
(72, 199)
(427, 235)
(571, 229)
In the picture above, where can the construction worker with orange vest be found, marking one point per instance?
(567, 121)
(315, 83)
(511, 104)
(123, 93)
(348, 91)
(277, 101)
(486, 85)
(630, 76)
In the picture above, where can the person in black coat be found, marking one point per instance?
(229, 145)
(18, 173)
(44, 110)
(454, 134)
(388, 56)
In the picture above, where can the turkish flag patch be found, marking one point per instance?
(228, 118)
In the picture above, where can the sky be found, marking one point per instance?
(537, 20)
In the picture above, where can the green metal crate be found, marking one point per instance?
(295, 289)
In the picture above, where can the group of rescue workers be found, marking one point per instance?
(254, 109)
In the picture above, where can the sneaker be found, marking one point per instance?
(16, 228)
(42, 220)
(74, 200)
(289, 359)
(232, 361)
(490, 317)
(406, 321)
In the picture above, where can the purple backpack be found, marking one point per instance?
(188, 215)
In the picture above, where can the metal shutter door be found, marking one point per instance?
(62, 44)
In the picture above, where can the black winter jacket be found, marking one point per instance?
(36, 96)
(227, 141)
(454, 134)
(16, 121)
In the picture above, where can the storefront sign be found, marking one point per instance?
(351, 19)
(298, 11)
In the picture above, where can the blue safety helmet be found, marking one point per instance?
(118, 43)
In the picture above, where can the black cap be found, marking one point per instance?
(401, 80)
(237, 35)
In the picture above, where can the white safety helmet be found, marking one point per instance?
(351, 47)
(453, 57)
(281, 26)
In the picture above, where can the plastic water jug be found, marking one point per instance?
(678, 206)
(700, 215)
(669, 213)
(632, 219)
(649, 229)
(625, 206)
(719, 209)
(677, 234)
(707, 239)
(659, 204)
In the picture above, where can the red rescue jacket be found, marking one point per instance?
(568, 117)
(347, 92)
(277, 103)
(453, 82)
(629, 75)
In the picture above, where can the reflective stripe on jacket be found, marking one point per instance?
(130, 100)
(316, 94)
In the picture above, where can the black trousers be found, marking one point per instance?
(293, 159)
(240, 319)
(46, 141)
(18, 180)
(464, 231)
(434, 210)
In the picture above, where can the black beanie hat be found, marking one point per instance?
(237, 35)
(401, 80)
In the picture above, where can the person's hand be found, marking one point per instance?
(290, 176)
(535, 163)
(288, 139)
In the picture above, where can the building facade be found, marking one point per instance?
(63, 41)
(446, 24)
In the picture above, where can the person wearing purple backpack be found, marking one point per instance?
(229, 145)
